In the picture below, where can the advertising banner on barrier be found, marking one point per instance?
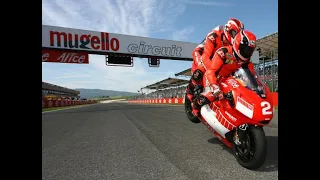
(62, 103)
(160, 101)
(61, 56)
(180, 100)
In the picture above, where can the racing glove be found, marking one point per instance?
(217, 93)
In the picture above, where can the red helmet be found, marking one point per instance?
(232, 28)
(244, 44)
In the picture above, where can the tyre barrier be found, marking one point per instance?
(181, 100)
(62, 103)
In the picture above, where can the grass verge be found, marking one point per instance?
(110, 98)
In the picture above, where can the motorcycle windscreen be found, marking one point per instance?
(250, 81)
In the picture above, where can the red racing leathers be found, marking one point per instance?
(202, 55)
(223, 64)
(205, 50)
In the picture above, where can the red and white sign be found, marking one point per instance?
(61, 103)
(61, 56)
(160, 101)
(182, 100)
(94, 41)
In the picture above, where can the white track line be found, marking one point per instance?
(102, 102)
(111, 101)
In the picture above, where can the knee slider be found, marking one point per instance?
(197, 75)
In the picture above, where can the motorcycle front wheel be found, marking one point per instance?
(188, 109)
(252, 151)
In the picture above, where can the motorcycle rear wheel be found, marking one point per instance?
(252, 153)
(188, 110)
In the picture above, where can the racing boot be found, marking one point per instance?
(196, 109)
(194, 89)
(190, 91)
(196, 80)
(205, 98)
(198, 89)
(197, 104)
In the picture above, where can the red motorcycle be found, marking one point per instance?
(238, 119)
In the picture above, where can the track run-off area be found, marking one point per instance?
(124, 141)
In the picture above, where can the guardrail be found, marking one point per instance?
(62, 103)
(181, 100)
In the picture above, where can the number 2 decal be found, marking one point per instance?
(266, 110)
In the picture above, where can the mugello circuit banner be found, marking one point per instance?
(84, 40)
(61, 56)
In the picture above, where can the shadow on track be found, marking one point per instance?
(271, 163)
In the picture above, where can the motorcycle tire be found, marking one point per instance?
(257, 143)
(188, 110)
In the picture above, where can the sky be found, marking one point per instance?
(183, 20)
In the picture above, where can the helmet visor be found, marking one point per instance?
(245, 50)
(233, 33)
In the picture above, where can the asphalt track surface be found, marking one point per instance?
(140, 142)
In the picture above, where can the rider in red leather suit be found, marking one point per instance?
(225, 61)
(202, 54)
